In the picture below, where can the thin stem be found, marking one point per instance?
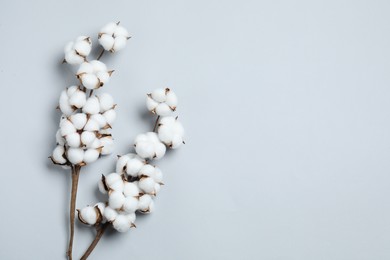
(100, 55)
(100, 231)
(90, 93)
(72, 210)
(155, 124)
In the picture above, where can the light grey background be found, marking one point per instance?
(287, 110)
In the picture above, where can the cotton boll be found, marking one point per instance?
(162, 102)
(159, 95)
(88, 215)
(158, 175)
(171, 132)
(85, 67)
(108, 145)
(171, 99)
(145, 150)
(130, 205)
(91, 125)
(64, 105)
(78, 99)
(106, 102)
(159, 151)
(92, 106)
(75, 155)
(109, 28)
(121, 163)
(73, 140)
(157, 188)
(98, 65)
(147, 185)
(151, 104)
(134, 165)
(110, 116)
(58, 155)
(59, 139)
(131, 217)
(117, 186)
(147, 170)
(78, 120)
(90, 81)
(72, 58)
(87, 137)
(83, 46)
(120, 31)
(110, 214)
(103, 76)
(90, 155)
(121, 223)
(116, 200)
(100, 119)
(130, 189)
(163, 110)
(120, 43)
(95, 144)
(71, 90)
(106, 41)
(148, 146)
(145, 203)
(67, 127)
(112, 178)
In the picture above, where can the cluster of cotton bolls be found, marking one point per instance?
(134, 184)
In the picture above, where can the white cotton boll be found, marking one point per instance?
(171, 132)
(110, 214)
(147, 170)
(91, 125)
(78, 120)
(131, 217)
(83, 47)
(71, 90)
(120, 43)
(121, 223)
(58, 154)
(78, 99)
(121, 31)
(88, 215)
(85, 67)
(72, 58)
(134, 165)
(95, 144)
(59, 139)
(157, 188)
(117, 186)
(109, 28)
(148, 146)
(145, 150)
(130, 189)
(157, 175)
(75, 155)
(102, 187)
(110, 116)
(108, 145)
(121, 163)
(130, 205)
(87, 137)
(145, 203)
(90, 155)
(92, 106)
(147, 185)
(106, 102)
(73, 140)
(163, 110)
(64, 105)
(100, 119)
(112, 178)
(171, 99)
(160, 150)
(98, 66)
(151, 104)
(159, 95)
(106, 41)
(116, 200)
(67, 127)
(90, 81)
(103, 77)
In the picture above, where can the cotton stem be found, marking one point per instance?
(100, 231)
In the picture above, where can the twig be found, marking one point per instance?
(100, 231)
(75, 181)
(100, 55)
(155, 124)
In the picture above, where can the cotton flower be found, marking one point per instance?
(161, 102)
(90, 215)
(93, 74)
(130, 164)
(170, 132)
(113, 37)
(77, 51)
(148, 146)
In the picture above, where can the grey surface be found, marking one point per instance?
(287, 110)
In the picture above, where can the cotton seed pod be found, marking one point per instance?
(67, 127)
(59, 139)
(131, 189)
(121, 223)
(75, 155)
(73, 140)
(130, 164)
(145, 204)
(89, 215)
(131, 218)
(92, 106)
(121, 163)
(91, 155)
(106, 102)
(116, 200)
(78, 99)
(113, 37)
(93, 74)
(146, 184)
(111, 179)
(107, 144)
(91, 125)
(110, 214)
(171, 132)
(64, 105)
(78, 120)
(148, 146)
(87, 138)
(110, 116)
(95, 144)
(71, 90)
(157, 175)
(77, 51)
(58, 156)
(161, 102)
(100, 119)
(130, 205)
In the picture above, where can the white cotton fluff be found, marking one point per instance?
(78, 99)
(110, 116)
(78, 120)
(100, 119)
(121, 223)
(95, 144)
(91, 125)
(93, 74)
(171, 132)
(157, 188)
(146, 184)
(116, 200)
(75, 155)
(67, 127)
(134, 164)
(59, 139)
(162, 101)
(87, 137)
(71, 57)
(92, 106)
(148, 146)
(145, 203)
(130, 189)
(147, 170)
(75, 52)
(71, 90)
(73, 140)
(101, 207)
(64, 105)
(58, 154)
(106, 102)
(131, 217)
(121, 163)
(88, 215)
(113, 37)
(110, 214)
(112, 178)
(108, 145)
(101, 187)
(90, 155)
(130, 205)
